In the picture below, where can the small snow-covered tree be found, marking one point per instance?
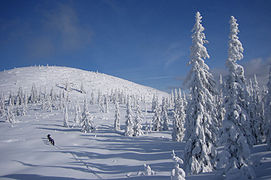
(178, 122)
(154, 102)
(67, 86)
(82, 89)
(177, 173)
(10, 115)
(34, 94)
(256, 112)
(77, 118)
(129, 130)
(156, 121)
(105, 105)
(92, 100)
(2, 105)
(87, 124)
(164, 115)
(200, 151)
(66, 117)
(235, 155)
(267, 112)
(148, 171)
(138, 120)
(117, 117)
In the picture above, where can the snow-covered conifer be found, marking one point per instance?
(267, 112)
(235, 155)
(66, 117)
(10, 115)
(67, 86)
(129, 130)
(117, 117)
(2, 105)
(200, 153)
(256, 112)
(34, 94)
(154, 102)
(82, 89)
(105, 105)
(77, 115)
(138, 120)
(148, 171)
(178, 123)
(164, 114)
(92, 100)
(87, 124)
(156, 121)
(177, 173)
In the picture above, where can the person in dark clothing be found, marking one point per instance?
(51, 140)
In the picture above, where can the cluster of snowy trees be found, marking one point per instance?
(234, 114)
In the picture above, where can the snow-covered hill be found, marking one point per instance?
(47, 77)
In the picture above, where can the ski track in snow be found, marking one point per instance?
(77, 159)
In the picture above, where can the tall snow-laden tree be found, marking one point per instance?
(129, 130)
(138, 122)
(200, 152)
(87, 124)
(235, 155)
(267, 112)
(117, 117)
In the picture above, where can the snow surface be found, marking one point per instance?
(25, 152)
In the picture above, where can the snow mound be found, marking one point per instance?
(47, 77)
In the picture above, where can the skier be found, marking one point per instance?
(51, 140)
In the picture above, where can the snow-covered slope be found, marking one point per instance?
(46, 77)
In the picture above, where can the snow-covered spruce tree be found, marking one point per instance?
(66, 117)
(267, 112)
(138, 120)
(105, 104)
(77, 118)
(129, 130)
(82, 89)
(10, 115)
(154, 102)
(164, 115)
(2, 105)
(200, 152)
(178, 123)
(220, 102)
(256, 112)
(156, 121)
(67, 86)
(87, 124)
(34, 94)
(117, 117)
(92, 100)
(177, 173)
(235, 155)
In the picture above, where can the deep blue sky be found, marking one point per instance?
(145, 41)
